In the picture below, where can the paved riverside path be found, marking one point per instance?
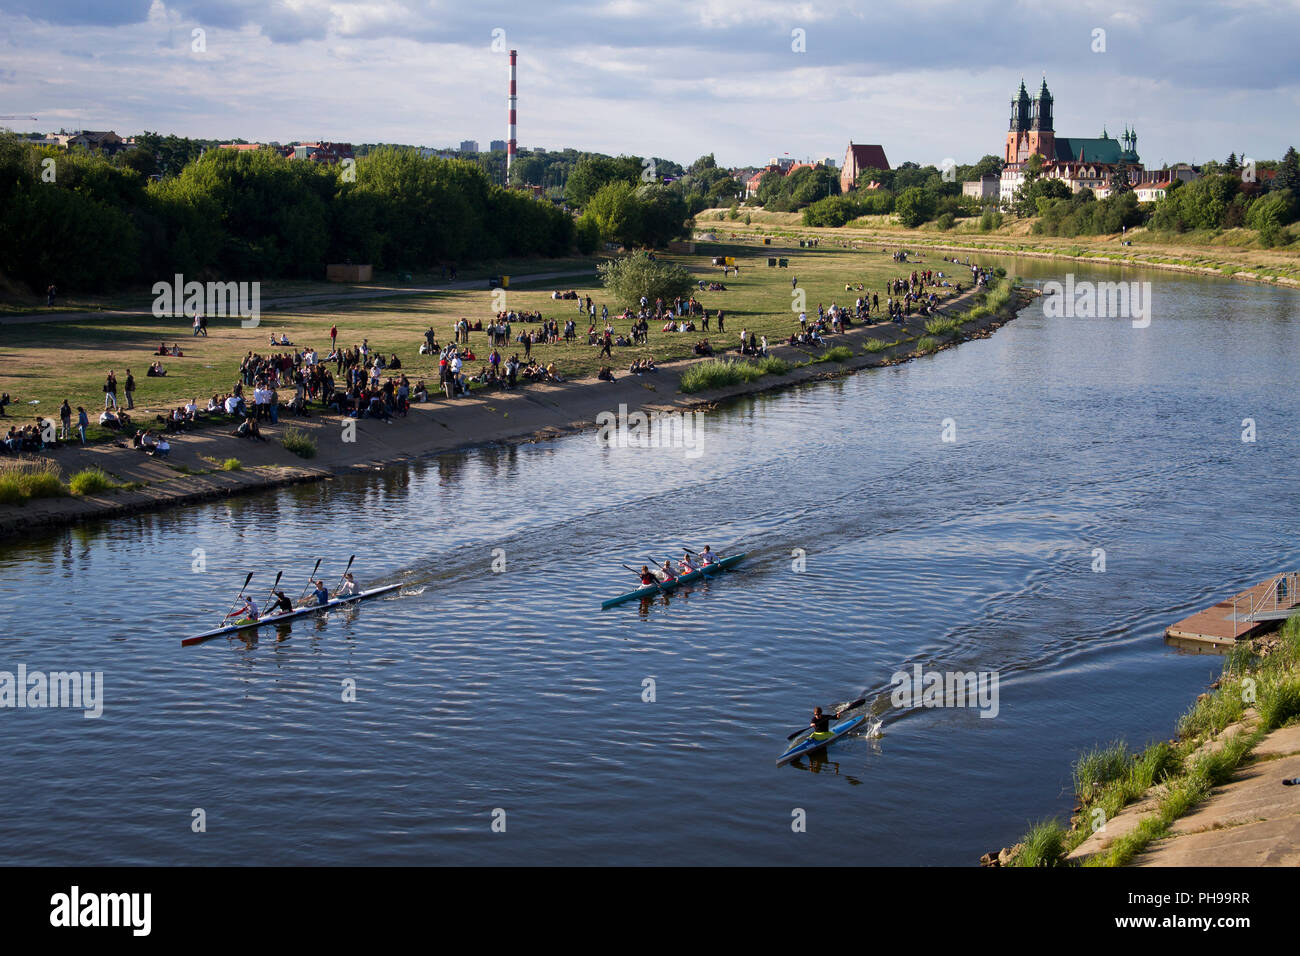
(1252, 820)
(291, 302)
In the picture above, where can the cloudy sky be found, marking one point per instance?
(745, 79)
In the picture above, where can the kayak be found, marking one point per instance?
(815, 742)
(652, 589)
(244, 623)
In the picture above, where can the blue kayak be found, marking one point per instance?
(652, 589)
(811, 742)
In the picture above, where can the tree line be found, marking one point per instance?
(84, 222)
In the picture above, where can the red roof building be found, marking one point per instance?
(857, 158)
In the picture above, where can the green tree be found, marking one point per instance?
(1288, 172)
(629, 278)
(914, 206)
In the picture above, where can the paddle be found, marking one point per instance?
(238, 597)
(271, 594)
(857, 703)
(638, 574)
(703, 567)
(310, 581)
(344, 574)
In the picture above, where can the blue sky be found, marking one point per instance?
(928, 79)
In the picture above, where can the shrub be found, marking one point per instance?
(840, 353)
(875, 345)
(91, 481)
(299, 442)
(233, 464)
(927, 344)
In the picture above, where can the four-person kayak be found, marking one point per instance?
(245, 624)
(811, 741)
(661, 587)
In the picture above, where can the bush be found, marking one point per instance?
(232, 464)
(299, 442)
(91, 481)
(840, 353)
(875, 345)
(926, 345)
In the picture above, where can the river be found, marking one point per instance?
(507, 695)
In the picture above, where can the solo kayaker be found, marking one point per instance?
(281, 604)
(349, 586)
(706, 556)
(820, 722)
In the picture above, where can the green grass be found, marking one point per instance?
(941, 326)
(875, 345)
(840, 353)
(234, 464)
(927, 344)
(722, 373)
(23, 480)
(1043, 844)
(1279, 701)
(49, 362)
(1110, 777)
(92, 481)
(1099, 766)
(298, 442)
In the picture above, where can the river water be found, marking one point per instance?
(485, 695)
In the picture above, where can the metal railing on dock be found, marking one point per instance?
(1280, 601)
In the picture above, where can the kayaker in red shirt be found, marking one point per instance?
(646, 576)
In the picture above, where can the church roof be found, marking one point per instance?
(868, 157)
(1076, 149)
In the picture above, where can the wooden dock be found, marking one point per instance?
(1245, 614)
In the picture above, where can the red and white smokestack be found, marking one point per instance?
(510, 141)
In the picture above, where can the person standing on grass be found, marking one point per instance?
(334, 335)
(83, 421)
(198, 326)
(65, 415)
(130, 390)
(722, 321)
(110, 391)
(49, 294)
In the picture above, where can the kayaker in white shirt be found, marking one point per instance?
(348, 588)
(685, 564)
(707, 557)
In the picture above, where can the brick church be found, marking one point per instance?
(1083, 163)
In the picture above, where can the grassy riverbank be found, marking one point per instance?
(1258, 692)
(42, 364)
(1228, 252)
